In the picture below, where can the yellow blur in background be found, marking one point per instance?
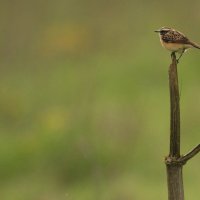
(84, 107)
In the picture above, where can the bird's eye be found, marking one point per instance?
(162, 32)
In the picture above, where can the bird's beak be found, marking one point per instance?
(157, 31)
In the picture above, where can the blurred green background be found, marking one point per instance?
(84, 107)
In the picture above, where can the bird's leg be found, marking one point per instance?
(182, 52)
(172, 54)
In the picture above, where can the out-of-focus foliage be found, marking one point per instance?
(84, 107)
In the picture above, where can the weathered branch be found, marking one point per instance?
(174, 109)
(174, 162)
(173, 165)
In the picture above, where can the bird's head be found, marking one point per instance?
(163, 30)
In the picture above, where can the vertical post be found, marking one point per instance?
(174, 167)
(175, 182)
(174, 109)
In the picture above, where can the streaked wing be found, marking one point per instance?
(175, 37)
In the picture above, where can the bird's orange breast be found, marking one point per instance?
(174, 46)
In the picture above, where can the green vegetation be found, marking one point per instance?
(84, 107)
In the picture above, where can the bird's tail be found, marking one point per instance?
(195, 45)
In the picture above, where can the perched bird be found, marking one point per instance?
(175, 41)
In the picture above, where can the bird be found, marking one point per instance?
(175, 41)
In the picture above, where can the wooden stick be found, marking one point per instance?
(174, 168)
(174, 162)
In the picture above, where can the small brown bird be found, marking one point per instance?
(175, 41)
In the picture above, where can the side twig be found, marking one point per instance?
(190, 155)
